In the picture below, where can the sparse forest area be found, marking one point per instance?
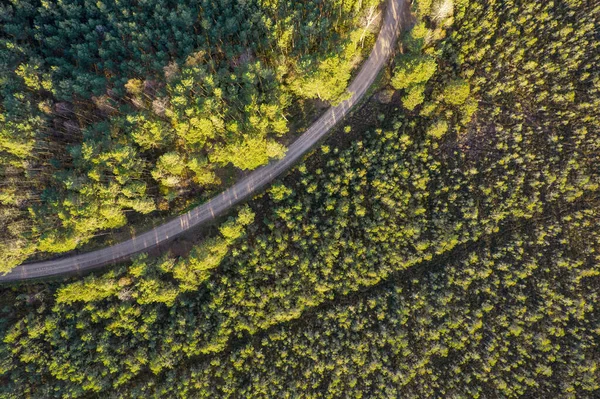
(444, 243)
(115, 108)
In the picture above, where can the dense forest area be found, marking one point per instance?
(442, 244)
(130, 107)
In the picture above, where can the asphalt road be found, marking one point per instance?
(244, 189)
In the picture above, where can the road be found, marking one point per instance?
(396, 12)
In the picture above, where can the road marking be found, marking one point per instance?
(369, 70)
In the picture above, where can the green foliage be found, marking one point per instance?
(424, 7)
(438, 256)
(438, 129)
(413, 70)
(149, 134)
(414, 98)
(448, 330)
(328, 82)
(249, 154)
(457, 92)
(111, 107)
(169, 169)
(112, 182)
(279, 192)
(91, 289)
(196, 268)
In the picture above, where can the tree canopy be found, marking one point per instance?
(114, 110)
(446, 249)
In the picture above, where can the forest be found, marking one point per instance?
(443, 242)
(114, 110)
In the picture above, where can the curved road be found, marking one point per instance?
(252, 184)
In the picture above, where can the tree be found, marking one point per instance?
(413, 70)
(414, 98)
(457, 92)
